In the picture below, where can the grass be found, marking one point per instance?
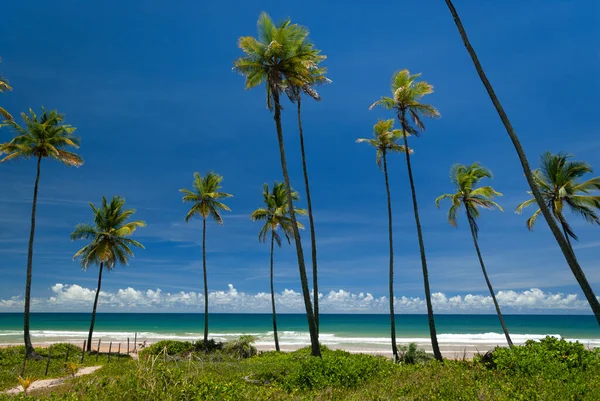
(11, 363)
(550, 370)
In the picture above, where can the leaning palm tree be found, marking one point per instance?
(560, 238)
(276, 56)
(466, 178)
(294, 90)
(558, 182)
(109, 243)
(385, 140)
(205, 198)
(41, 137)
(4, 87)
(405, 101)
(276, 216)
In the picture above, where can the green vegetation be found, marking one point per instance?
(11, 363)
(551, 369)
(385, 140)
(109, 242)
(465, 179)
(405, 102)
(205, 198)
(5, 87)
(275, 214)
(43, 137)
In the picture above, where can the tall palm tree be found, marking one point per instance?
(385, 140)
(558, 181)
(275, 214)
(560, 238)
(109, 242)
(280, 54)
(405, 101)
(41, 137)
(466, 178)
(4, 87)
(205, 198)
(294, 91)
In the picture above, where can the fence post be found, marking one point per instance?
(67, 355)
(127, 345)
(135, 343)
(119, 353)
(24, 365)
(109, 349)
(83, 350)
(98, 351)
(48, 361)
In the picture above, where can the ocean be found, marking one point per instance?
(359, 332)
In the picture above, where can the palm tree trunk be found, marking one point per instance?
(487, 280)
(314, 337)
(205, 284)
(432, 331)
(391, 239)
(89, 341)
(29, 351)
(311, 223)
(560, 239)
(273, 296)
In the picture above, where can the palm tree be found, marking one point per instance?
(558, 183)
(560, 238)
(385, 140)
(275, 214)
(205, 198)
(294, 91)
(109, 242)
(4, 87)
(41, 137)
(465, 178)
(280, 54)
(406, 95)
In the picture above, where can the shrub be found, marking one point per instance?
(412, 355)
(172, 347)
(551, 356)
(241, 348)
(210, 346)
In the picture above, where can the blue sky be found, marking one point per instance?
(149, 86)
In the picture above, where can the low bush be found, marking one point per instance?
(410, 354)
(241, 348)
(172, 348)
(210, 346)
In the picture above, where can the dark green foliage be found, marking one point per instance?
(411, 355)
(208, 346)
(170, 346)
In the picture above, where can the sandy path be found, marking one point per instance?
(49, 383)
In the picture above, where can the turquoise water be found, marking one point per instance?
(348, 331)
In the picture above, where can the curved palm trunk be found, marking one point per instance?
(314, 337)
(205, 283)
(487, 281)
(29, 351)
(432, 331)
(560, 239)
(89, 341)
(311, 223)
(273, 297)
(391, 239)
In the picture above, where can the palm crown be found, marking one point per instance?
(205, 197)
(558, 181)
(385, 139)
(406, 95)
(281, 56)
(466, 179)
(276, 213)
(109, 235)
(4, 87)
(43, 136)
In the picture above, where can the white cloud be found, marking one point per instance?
(73, 297)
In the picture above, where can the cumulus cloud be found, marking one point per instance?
(73, 297)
